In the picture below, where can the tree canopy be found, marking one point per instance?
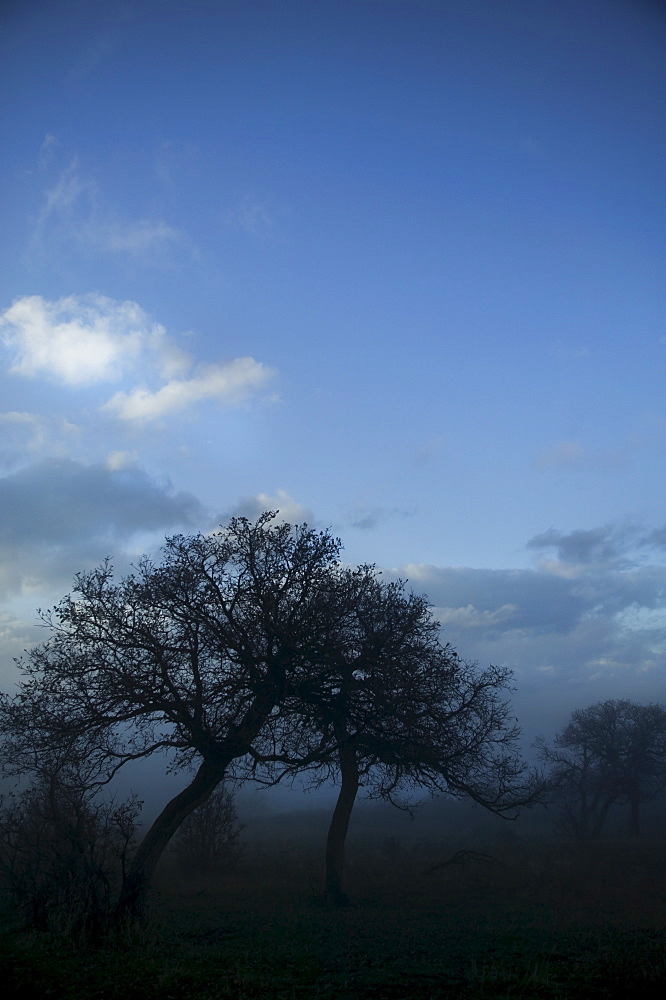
(190, 657)
(611, 752)
(391, 708)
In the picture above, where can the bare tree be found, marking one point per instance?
(391, 709)
(612, 752)
(189, 658)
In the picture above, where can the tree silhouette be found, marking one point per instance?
(390, 708)
(189, 657)
(611, 752)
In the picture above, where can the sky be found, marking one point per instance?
(392, 267)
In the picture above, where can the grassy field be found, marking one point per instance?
(539, 920)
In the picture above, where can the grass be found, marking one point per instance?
(550, 922)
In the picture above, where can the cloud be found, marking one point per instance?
(67, 190)
(78, 340)
(471, 617)
(537, 601)
(656, 538)
(228, 384)
(138, 238)
(254, 217)
(84, 340)
(74, 211)
(60, 516)
(27, 434)
(289, 509)
(366, 517)
(573, 456)
(571, 638)
(46, 150)
(602, 545)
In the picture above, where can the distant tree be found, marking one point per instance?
(612, 752)
(390, 709)
(189, 657)
(209, 838)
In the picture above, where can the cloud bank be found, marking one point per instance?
(62, 516)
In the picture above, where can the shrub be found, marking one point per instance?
(63, 855)
(210, 836)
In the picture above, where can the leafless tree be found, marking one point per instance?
(390, 709)
(189, 657)
(611, 752)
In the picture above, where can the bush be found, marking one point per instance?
(209, 838)
(63, 855)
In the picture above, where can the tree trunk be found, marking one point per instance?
(337, 833)
(635, 804)
(132, 902)
(601, 816)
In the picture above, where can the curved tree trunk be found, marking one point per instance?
(132, 902)
(337, 833)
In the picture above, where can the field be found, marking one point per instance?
(517, 918)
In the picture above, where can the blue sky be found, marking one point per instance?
(396, 268)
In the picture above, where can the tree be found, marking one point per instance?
(189, 658)
(209, 837)
(611, 752)
(390, 708)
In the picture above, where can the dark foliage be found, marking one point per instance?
(612, 752)
(64, 854)
(391, 709)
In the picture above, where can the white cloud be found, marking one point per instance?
(117, 460)
(88, 339)
(289, 510)
(227, 383)
(78, 340)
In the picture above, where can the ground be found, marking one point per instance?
(521, 918)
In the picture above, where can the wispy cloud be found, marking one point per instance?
(46, 150)
(28, 435)
(573, 456)
(227, 384)
(368, 516)
(75, 211)
(138, 238)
